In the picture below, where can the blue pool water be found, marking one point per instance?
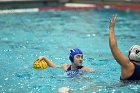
(26, 36)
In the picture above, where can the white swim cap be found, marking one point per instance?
(64, 90)
(134, 53)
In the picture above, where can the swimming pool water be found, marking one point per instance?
(26, 36)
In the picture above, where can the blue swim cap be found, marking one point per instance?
(74, 52)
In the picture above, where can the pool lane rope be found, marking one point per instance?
(70, 6)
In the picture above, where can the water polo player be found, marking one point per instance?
(130, 66)
(76, 67)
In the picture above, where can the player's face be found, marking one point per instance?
(78, 59)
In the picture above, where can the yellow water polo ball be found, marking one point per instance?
(40, 64)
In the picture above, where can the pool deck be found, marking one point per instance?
(13, 4)
(60, 4)
(109, 2)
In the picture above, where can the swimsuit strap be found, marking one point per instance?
(136, 73)
(80, 67)
(69, 68)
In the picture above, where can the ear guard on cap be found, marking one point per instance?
(71, 58)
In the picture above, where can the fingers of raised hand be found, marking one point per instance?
(113, 20)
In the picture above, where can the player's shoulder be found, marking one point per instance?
(65, 66)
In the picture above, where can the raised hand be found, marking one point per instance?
(113, 21)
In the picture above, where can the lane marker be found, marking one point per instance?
(18, 10)
(79, 5)
(107, 6)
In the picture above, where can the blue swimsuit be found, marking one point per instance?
(73, 73)
(135, 75)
